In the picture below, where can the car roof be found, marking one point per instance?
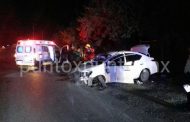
(117, 53)
(124, 52)
(35, 42)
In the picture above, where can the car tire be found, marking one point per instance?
(144, 76)
(95, 82)
(99, 81)
(102, 81)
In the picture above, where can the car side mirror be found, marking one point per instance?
(129, 63)
(107, 70)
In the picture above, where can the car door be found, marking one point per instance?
(51, 52)
(120, 69)
(112, 65)
(127, 72)
(45, 53)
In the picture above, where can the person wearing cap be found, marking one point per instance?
(89, 53)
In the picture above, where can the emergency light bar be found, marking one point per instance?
(31, 42)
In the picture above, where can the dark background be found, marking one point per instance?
(44, 17)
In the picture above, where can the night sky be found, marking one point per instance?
(44, 16)
(57, 11)
(18, 18)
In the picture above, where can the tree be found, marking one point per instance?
(107, 21)
(66, 37)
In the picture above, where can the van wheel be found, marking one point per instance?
(144, 76)
(24, 69)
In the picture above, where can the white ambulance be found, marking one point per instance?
(35, 52)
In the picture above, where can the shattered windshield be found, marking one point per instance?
(99, 59)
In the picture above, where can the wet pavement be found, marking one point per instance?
(51, 97)
(45, 97)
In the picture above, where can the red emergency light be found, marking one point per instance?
(31, 42)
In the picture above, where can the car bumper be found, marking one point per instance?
(86, 80)
(24, 63)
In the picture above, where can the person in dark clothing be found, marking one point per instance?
(74, 56)
(64, 53)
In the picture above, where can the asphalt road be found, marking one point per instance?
(55, 97)
(51, 97)
(45, 97)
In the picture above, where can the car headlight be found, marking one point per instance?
(85, 74)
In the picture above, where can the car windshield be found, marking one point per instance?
(99, 59)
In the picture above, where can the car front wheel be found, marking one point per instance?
(100, 80)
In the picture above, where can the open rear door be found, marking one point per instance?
(141, 49)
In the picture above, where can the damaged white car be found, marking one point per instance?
(120, 67)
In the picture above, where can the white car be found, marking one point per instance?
(120, 67)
